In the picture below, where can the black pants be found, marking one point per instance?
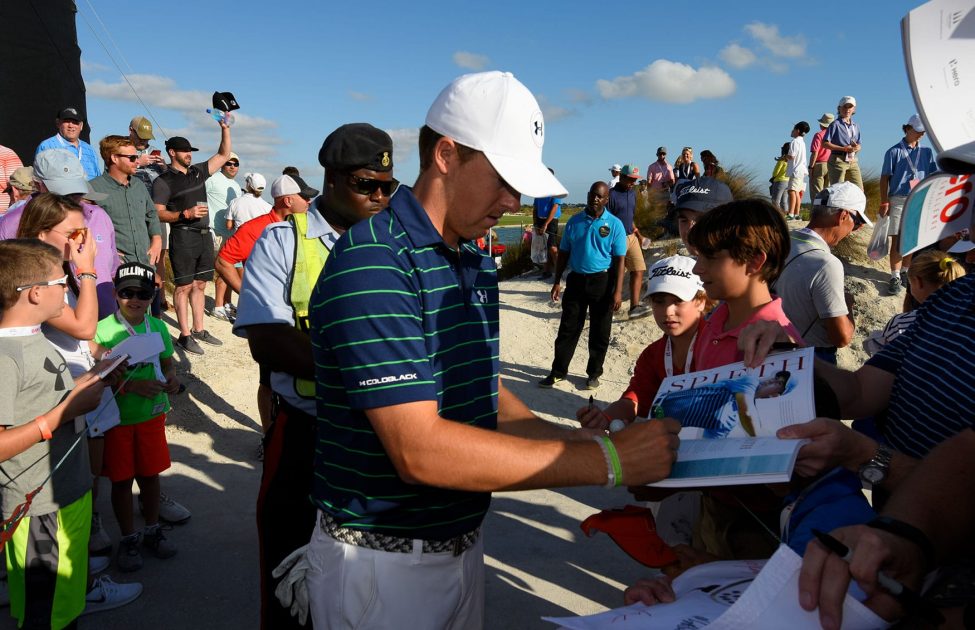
(592, 293)
(285, 514)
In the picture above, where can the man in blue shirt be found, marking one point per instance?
(545, 217)
(592, 248)
(622, 203)
(70, 125)
(843, 139)
(905, 164)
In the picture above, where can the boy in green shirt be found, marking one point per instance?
(136, 448)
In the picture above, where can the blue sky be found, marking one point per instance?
(613, 83)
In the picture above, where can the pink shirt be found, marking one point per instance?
(817, 148)
(660, 175)
(715, 347)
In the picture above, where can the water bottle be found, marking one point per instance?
(221, 116)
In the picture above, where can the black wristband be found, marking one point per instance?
(908, 532)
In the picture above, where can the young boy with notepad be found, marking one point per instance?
(136, 449)
(41, 449)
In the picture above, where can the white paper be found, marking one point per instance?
(939, 52)
(756, 595)
(732, 462)
(140, 348)
(105, 416)
(938, 207)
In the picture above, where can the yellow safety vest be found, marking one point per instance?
(310, 257)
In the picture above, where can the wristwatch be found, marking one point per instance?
(875, 470)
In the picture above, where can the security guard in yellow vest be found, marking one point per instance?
(272, 314)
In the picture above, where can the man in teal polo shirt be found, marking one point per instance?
(593, 248)
(414, 427)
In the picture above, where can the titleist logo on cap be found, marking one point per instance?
(695, 189)
(670, 271)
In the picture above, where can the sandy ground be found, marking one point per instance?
(537, 560)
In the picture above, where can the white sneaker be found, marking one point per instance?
(99, 544)
(97, 564)
(171, 511)
(106, 594)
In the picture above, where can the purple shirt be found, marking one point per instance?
(100, 229)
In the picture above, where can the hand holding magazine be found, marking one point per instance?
(744, 407)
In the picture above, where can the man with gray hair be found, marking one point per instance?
(811, 283)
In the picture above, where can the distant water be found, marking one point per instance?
(509, 235)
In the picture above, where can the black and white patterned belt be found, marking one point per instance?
(383, 542)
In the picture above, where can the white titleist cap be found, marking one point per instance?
(845, 196)
(674, 275)
(255, 181)
(494, 113)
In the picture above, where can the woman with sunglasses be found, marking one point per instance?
(58, 220)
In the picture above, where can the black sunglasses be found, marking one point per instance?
(233, 164)
(130, 158)
(142, 294)
(367, 187)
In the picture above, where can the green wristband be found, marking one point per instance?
(614, 459)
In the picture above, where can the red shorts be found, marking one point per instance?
(136, 450)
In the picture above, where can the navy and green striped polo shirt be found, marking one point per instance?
(398, 317)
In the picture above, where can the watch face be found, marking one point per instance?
(872, 474)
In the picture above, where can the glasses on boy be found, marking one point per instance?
(142, 294)
(63, 281)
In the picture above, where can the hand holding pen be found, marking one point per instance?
(860, 552)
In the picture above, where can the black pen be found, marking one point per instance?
(784, 345)
(590, 402)
(911, 601)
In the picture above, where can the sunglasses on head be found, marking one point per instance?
(63, 281)
(143, 294)
(365, 186)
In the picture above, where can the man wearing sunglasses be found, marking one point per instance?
(415, 428)
(812, 281)
(275, 296)
(180, 197)
(222, 189)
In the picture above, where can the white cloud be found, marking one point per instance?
(779, 45)
(553, 112)
(471, 61)
(579, 96)
(737, 56)
(93, 67)
(670, 82)
(359, 96)
(405, 142)
(254, 138)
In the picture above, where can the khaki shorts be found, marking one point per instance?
(634, 255)
(896, 210)
(797, 182)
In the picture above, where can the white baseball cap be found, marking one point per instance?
(255, 181)
(847, 100)
(291, 185)
(845, 196)
(961, 247)
(615, 168)
(915, 123)
(494, 113)
(674, 275)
